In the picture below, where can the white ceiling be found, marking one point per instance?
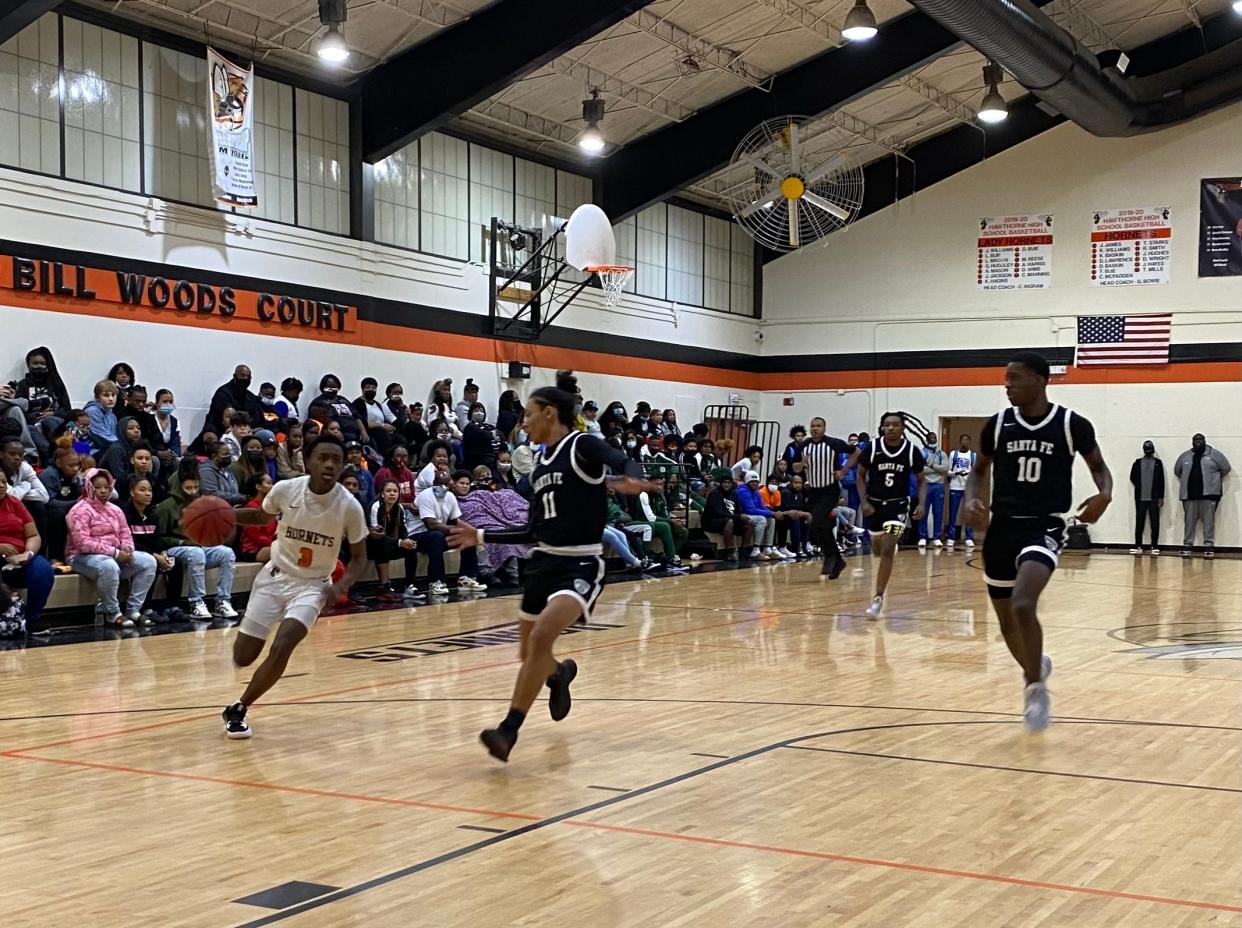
(662, 64)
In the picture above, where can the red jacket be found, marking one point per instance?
(254, 538)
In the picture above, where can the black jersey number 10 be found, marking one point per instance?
(1029, 469)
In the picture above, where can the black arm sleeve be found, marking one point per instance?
(987, 438)
(1083, 433)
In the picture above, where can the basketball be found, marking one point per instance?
(208, 521)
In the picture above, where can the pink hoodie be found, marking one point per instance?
(95, 527)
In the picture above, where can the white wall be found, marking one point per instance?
(904, 280)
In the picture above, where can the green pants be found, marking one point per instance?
(672, 537)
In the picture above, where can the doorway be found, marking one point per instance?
(951, 429)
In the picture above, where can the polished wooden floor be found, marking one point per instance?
(746, 749)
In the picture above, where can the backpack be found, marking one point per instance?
(13, 618)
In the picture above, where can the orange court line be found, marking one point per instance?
(652, 833)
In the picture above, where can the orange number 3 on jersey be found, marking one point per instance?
(304, 557)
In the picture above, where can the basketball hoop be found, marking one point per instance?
(613, 278)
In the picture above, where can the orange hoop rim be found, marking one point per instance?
(608, 268)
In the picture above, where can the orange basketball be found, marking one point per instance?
(208, 521)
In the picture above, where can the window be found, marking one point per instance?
(396, 198)
(685, 256)
(102, 132)
(29, 98)
(273, 151)
(323, 161)
(491, 194)
(536, 194)
(625, 234)
(742, 274)
(716, 258)
(174, 86)
(652, 251)
(445, 196)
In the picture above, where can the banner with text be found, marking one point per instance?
(230, 103)
(1130, 247)
(1220, 227)
(1015, 252)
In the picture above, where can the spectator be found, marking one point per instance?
(268, 420)
(670, 423)
(240, 426)
(142, 463)
(235, 395)
(397, 470)
(478, 440)
(123, 376)
(671, 533)
(797, 515)
(215, 478)
(709, 461)
(590, 418)
(257, 540)
(1201, 472)
(23, 483)
(135, 405)
(440, 406)
(640, 425)
(270, 447)
(77, 426)
(437, 509)
(310, 431)
(206, 438)
(101, 548)
(250, 462)
(366, 483)
(64, 488)
(20, 559)
(849, 475)
(655, 421)
(749, 462)
(781, 473)
(350, 481)
(633, 448)
(167, 440)
(394, 404)
(102, 417)
(144, 529)
(505, 478)
(692, 461)
(722, 515)
(45, 396)
(788, 528)
(618, 531)
(482, 477)
(195, 558)
(333, 428)
(793, 451)
(762, 518)
(119, 461)
(1147, 475)
(437, 458)
(289, 460)
(496, 510)
(415, 430)
(509, 413)
(13, 420)
(469, 396)
(287, 404)
(613, 421)
(390, 539)
(960, 463)
(376, 417)
(935, 472)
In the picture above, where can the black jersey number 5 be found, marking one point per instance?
(888, 479)
(1029, 469)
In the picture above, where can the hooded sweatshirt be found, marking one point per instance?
(95, 527)
(168, 518)
(103, 426)
(116, 460)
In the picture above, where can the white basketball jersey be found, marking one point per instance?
(312, 527)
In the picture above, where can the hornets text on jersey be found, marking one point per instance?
(1033, 462)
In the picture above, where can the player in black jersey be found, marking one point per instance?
(884, 469)
(1031, 445)
(565, 574)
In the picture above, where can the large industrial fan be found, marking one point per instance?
(791, 197)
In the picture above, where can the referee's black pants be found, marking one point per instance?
(823, 524)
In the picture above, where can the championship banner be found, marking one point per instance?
(1014, 252)
(1220, 227)
(230, 90)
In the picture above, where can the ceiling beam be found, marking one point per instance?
(699, 49)
(16, 15)
(808, 19)
(611, 86)
(422, 88)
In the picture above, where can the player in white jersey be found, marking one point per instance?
(315, 514)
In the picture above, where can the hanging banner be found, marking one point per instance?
(1015, 252)
(1220, 227)
(1130, 247)
(230, 92)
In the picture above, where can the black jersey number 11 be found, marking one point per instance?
(549, 506)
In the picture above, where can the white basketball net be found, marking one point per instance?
(613, 278)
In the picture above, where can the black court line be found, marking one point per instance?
(494, 831)
(700, 754)
(288, 676)
(469, 849)
(1046, 773)
(612, 789)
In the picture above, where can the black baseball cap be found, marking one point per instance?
(590, 404)
(350, 445)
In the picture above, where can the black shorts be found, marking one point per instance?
(549, 575)
(888, 510)
(1012, 541)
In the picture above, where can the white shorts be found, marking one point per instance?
(276, 596)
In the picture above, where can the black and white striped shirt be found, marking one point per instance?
(819, 460)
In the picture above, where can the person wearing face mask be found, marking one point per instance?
(46, 399)
(935, 472)
(1201, 472)
(215, 478)
(1147, 475)
(269, 419)
(590, 417)
(632, 447)
(236, 394)
(379, 419)
(438, 509)
(440, 406)
(394, 403)
(503, 473)
(641, 423)
(353, 428)
(613, 421)
(249, 462)
(478, 441)
(167, 441)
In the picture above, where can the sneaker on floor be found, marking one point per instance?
(200, 612)
(235, 725)
(438, 588)
(1037, 708)
(1155, 552)
(134, 618)
(413, 592)
(754, 555)
(950, 543)
(146, 617)
(498, 744)
(937, 543)
(225, 610)
(1045, 668)
(470, 585)
(922, 542)
(559, 701)
(1209, 554)
(677, 568)
(1136, 551)
(876, 607)
(970, 542)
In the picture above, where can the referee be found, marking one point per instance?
(823, 492)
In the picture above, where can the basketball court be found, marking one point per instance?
(741, 743)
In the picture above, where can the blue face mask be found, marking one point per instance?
(440, 491)
(168, 409)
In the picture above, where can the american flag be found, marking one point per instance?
(1124, 339)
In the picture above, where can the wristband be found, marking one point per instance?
(478, 532)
